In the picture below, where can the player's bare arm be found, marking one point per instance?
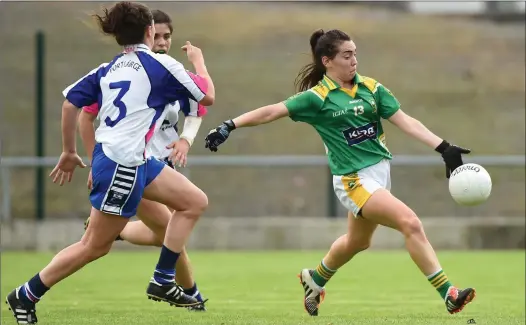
(262, 115)
(414, 128)
(87, 132)
(195, 56)
(69, 159)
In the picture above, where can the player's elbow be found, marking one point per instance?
(276, 111)
(86, 117)
(413, 126)
(208, 100)
(405, 122)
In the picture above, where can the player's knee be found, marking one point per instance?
(94, 252)
(193, 206)
(158, 232)
(95, 247)
(363, 245)
(157, 238)
(411, 225)
(199, 204)
(356, 245)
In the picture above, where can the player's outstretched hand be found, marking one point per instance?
(193, 53)
(452, 156)
(219, 135)
(65, 167)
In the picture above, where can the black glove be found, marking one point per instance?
(219, 135)
(452, 156)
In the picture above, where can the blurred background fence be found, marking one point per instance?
(301, 199)
(458, 67)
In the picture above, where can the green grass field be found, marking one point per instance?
(262, 288)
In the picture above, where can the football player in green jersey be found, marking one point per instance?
(346, 109)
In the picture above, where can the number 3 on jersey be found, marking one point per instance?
(124, 87)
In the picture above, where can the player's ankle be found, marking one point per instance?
(322, 274)
(32, 291)
(440, 281)
(190, 290)
(165, 269)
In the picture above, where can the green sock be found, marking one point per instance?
(440, 281)
(322, 274)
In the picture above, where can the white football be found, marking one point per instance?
(470, 184)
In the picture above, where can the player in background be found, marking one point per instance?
(346, 109)
(155, 215)
(132, 91)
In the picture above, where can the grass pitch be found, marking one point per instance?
(253, 288)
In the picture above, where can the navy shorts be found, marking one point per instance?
(118, 189)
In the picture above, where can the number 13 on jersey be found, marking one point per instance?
(358, 110)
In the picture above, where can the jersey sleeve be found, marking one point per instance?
(386, 101)
(92, 109)
(179, 81)
(303, 106)
(86, 90)
(193, 107)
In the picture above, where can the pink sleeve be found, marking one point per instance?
(203, 85)
(92, 109)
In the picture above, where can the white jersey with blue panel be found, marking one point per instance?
(132, 92)
(168, 131)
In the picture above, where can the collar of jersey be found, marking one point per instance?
(331, 84)
(137, 47)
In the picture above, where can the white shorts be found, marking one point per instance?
(353, 190)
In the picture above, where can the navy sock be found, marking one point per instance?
(194, 292)
(33, 290)
(165, 269)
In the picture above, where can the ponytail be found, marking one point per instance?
(126, 21)
(313, 72)
(322, 44)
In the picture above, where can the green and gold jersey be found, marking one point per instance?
(348, 120)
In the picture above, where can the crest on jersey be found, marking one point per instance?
(373, 105)
(129, 48)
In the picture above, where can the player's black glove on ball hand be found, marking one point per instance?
(452, 156)
(219, 135)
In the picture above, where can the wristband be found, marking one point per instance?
(442, 147)
(230, 125)
(191, 127)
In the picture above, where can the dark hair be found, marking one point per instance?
(126, 21)
(322, 44)
(161, 17)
